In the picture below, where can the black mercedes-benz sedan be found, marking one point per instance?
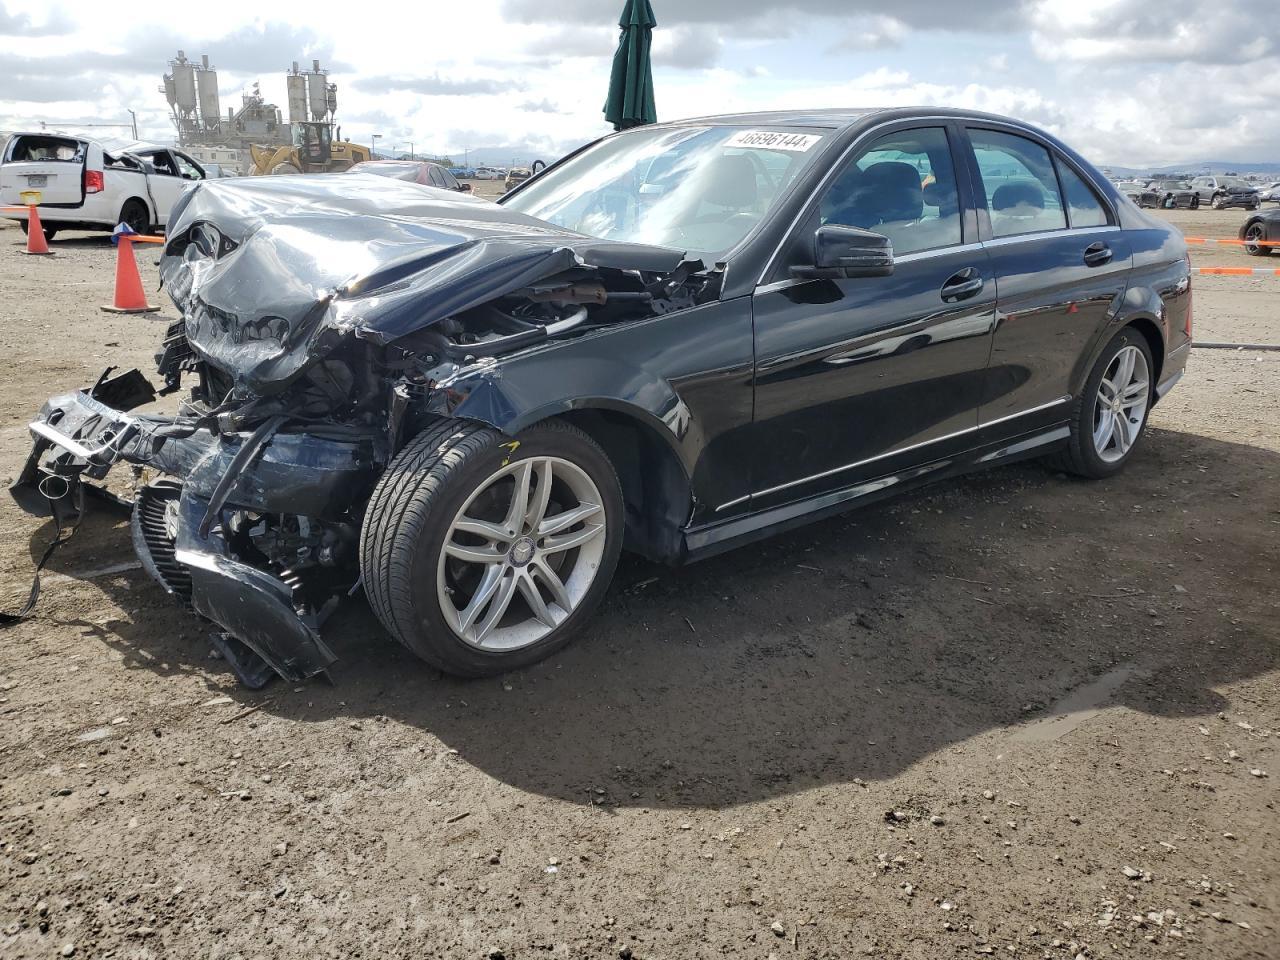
(676, 340)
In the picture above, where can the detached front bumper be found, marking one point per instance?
(79, 437)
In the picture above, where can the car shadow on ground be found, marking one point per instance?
(850, 649)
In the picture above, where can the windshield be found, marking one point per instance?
(697, 189)
(1232, 182)
(1175, 185)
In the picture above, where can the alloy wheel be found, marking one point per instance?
(1121, 404)
(1254, 234)
(521, 554)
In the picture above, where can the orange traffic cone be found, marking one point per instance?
(36, 242)
(129, 296)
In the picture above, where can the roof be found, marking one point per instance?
(841, 117)
(829, 117)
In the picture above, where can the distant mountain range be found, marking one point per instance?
(1203, 167)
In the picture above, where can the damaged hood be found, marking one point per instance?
(270, 273)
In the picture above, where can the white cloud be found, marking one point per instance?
(1122, 80)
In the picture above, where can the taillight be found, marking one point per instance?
(1187, 323)
(93, 181)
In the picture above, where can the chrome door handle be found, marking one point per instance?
(962, 285)
(1096, 254)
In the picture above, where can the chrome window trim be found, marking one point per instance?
(1042, 234)
(1054, 153)
(891, 453)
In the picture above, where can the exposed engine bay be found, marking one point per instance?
(316, 337)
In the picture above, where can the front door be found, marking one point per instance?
(1061, 263)
(857, 377)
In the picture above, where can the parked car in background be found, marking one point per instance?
(1224, 192)
(518, 175)
(94, 184)
(1168, 194)
(1270, 192)
(1260, 227)
(679, 339)
(489, 173)
(425, 172)
(463, 173)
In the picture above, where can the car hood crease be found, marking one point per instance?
(335, 256)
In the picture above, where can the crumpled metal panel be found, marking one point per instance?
(344, 255)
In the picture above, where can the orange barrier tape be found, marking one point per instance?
(139, 238)
(1234, 243)
(1236, 271)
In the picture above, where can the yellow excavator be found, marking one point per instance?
(313, 151)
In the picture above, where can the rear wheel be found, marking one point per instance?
(49, 232)
(1254, 233)
(1110, 415)
(134, 215)
(482, 554)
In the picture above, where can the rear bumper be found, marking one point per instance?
(78, 438)
(1175, 364)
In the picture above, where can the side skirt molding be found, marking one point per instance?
(711, 539)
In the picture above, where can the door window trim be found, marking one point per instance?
(1055, 154)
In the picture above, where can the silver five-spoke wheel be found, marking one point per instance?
(1121, 404)
(521, 553)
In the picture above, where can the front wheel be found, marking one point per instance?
(482, 553)
(1110, 415)
(1252, 237)
(1218, 202)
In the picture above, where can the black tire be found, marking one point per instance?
(1194, 204)
(1256, 231)
(408, 518)
(134, 215)
(1079, 456)
(49, 232)
(1218, 202)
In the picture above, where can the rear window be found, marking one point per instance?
(65, 149)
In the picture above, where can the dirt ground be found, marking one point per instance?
(1016, 715)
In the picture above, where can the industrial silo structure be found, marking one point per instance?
(207, 92)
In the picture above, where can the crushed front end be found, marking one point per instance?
(249, 517)
(319, 332)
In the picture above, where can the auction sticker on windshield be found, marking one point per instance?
(773, 140)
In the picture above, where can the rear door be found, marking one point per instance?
(1061, 262)
(50, 164)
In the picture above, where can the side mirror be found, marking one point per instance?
(464, 187)
(841, 251)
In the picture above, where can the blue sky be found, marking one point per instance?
(1124, 81)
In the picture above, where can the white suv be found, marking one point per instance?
(94, 185)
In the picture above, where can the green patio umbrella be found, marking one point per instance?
(630, 100)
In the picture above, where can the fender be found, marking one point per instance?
(511, 397)
(684, 379)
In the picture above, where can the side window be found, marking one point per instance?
(1084, 209)
(902, 186)
(434, 174)
(162, 162)
(450, 181)
(187, 168)
(1019, 182)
